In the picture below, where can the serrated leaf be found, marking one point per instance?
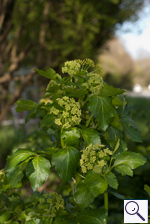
(112, 180)
(110, 90)
(49, 73)
(102, 108)
(71, 137)
(65, 162)
(131, 129)
(79, 93)
(90, 136)
(18, 157)
(124, 170)
(92, 186)
(38, 171)
(94, 216)
(126, 161)
(15, 174)
(147, 189)
(25, 105)
(116, 101)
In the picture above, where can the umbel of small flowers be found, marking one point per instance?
(94, 157)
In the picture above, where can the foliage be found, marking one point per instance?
(9, 137)
(88, 125)
(43, 33)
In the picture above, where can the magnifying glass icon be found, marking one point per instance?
(132, 208)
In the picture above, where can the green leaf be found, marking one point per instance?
(147, 189)
(124, 170)
(38, 171)
(103, 109)
(15, 174)
(49, 73)
(90, 136)
(4, 216)
(110, 90)
(92, 186)
(131, 129)
(94, 216)
(65, 162)
(48, 120)
(126, 161)
(34, 221)
(112, 181)
(79, 93)
(71, 137)
(116, 101)
(25, 105)
(21, 155)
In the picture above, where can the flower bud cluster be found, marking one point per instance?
(94, 83)
(93, 158)
(70, 114)
(86, 63)
(71, 67)
(56, 203)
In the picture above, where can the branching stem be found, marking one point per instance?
(88, 122)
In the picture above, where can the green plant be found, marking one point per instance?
(88, 125)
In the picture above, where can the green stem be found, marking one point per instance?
(88, 122)
(51, 221)
(106, 202)
(61, 139)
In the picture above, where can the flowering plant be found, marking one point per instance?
(87, 125)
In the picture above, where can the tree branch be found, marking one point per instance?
(14, 65)
(16, 95)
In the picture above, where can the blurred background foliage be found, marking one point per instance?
(46, 33)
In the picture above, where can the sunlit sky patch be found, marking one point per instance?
(136, 36)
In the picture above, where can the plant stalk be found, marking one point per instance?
(88, 122)
(61, 139)
(106, 203)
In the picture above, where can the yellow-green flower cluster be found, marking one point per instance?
(71, 67)
(91, 158)
(56, 203)
(94, 84)
(70, 115)
(86, 63)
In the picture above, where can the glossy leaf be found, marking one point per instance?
(71, 137)
(112, 180)
(91, 136)
(94, 216)
(92, 186)
(102, 108)
(25, 105)
(124, 170)
(38, 171)
(18, 157)
(15, 174)
(65, 162)
(131, 159)
(126, 161)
